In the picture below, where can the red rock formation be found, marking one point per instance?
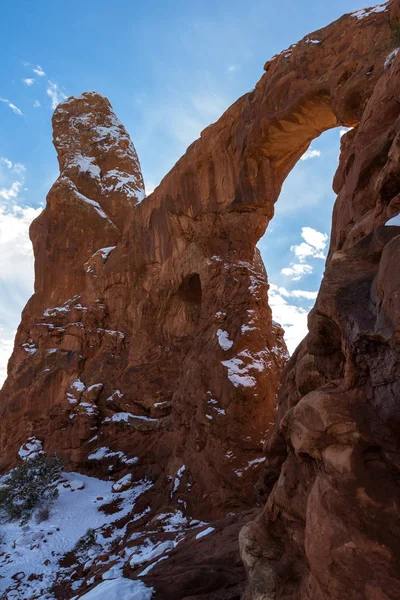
(148, 345)
(149, 340)
(330, 528)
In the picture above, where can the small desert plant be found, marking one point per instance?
(86, 541)
(42, 513)
(26, 486)
(395, 27)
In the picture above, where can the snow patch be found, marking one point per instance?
(86, 164)
(31, 449)
(104, 252)
(122, 483)
(117, 394)
(30, 347)
(125, 417)
(104, 452)
(177, 481)
(366, 12)
(205, 532)
(35, 552)
(149, 551)
(223, 340)
(120, 589)
(240, 366)
(390, 59)
(120, 181)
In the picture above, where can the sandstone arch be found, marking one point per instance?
(109, 294)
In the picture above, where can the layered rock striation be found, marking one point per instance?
(149, 348)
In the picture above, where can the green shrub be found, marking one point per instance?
(27, 486)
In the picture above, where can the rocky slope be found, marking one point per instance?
(148, 347)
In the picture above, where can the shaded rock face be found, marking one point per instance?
(330, 528)
(148, 346)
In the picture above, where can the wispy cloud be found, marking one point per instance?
(304, 294)
(29, 81)
(12, 191)
(233, 68)
(294, 293)
(37, 104)
(14, 108)
(39, 71)
(7, 162)
(55, 94)
(310, 154)
(297, 271)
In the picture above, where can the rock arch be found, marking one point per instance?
(207, 401)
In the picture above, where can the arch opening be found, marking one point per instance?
(295, 244)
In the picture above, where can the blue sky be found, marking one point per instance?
(169, 70)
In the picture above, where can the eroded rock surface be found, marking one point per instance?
(148, 347)
(330, 528)
(148, 344)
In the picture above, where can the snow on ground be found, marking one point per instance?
(36, 549)
(119, 589)
(205, 532)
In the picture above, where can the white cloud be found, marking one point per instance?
(310, 154)
(19, 168)
(292, 318)
(55, 94)
(37, 104)
(313, 247)
(14, 108)
(304, 294)
(28, 81)
(297, 271)
(12, 191)
(39, 71)
(6, 346)
(233, 68)
(294, 293)
(16, 273)
(315, 238)
(7, 162)
(16, 265)
(303, 251)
